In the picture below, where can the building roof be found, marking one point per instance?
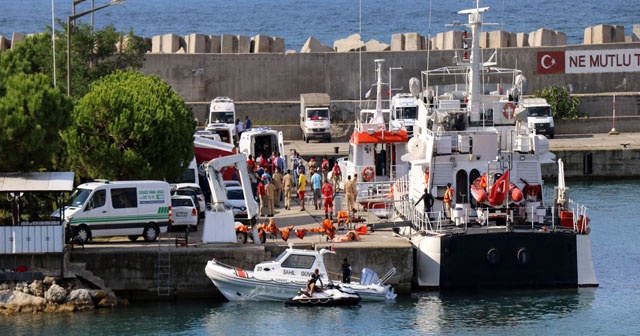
(47, 181)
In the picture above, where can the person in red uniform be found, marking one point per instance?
(262, 195)
(327, 192)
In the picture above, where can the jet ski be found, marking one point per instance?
(333, 295)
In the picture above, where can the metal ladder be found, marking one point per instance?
(164, 267)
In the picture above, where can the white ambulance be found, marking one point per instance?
(118, 208)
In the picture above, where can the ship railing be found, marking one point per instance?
(406, 208)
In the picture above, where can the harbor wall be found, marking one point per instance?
(603, 163)
(267, 87)
(132, 273)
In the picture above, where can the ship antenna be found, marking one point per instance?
(359, 67)
(429, 36)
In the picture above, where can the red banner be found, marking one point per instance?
(550, 62)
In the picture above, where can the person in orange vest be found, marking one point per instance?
(327, 193)
(448, 199)
(337, 176)
(325, 167)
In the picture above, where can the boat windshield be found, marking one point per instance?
(295, 260)
(78, 197)
(282, 255)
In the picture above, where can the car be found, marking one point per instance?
(184, 212)
(231, 183)
(235, 200)
(200, 201)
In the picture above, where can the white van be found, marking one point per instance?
(118, 208)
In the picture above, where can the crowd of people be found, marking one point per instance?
(275, 184)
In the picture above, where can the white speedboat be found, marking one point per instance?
(503, 229)
(282, 278)
(331, 296)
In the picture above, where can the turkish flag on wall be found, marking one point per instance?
(550, 62)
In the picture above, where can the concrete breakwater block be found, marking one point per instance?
(123, 43)
(603, 34)
(522, 40)
(635, 35)
(197, 43)
(261, 44)
(228, 44)
(244, 44)
(313, 45)
(4, 43)
(276, 45)
(267, 44)
(156, 44)
(546, 37)
(397, 42)
(374, 45)
(413, 42)
(409, 42)
(351, 43)
(16, 38)
(501, 39)
(171, 43)
(214, 44)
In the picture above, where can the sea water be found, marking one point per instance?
(327, 20)
(610, 309)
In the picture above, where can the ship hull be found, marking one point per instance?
(505, 260)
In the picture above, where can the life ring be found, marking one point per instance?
(368, 174)
(508, 111)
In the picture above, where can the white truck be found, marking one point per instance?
(404, 112)
(219, 224)
(222, 118)
(539, 115)
(315, 120)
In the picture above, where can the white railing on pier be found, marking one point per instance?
(35, 237)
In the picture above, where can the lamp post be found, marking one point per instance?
(77, 2)
(73, 17)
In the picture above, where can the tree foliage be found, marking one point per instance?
(129, 126)
(93, 55)
(32, 113)
(564, 106)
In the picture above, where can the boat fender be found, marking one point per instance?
(368, 174)
(509, 111)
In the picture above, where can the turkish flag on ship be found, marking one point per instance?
(550, 62)
(499, 190)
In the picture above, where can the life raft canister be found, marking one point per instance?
(509, 111)
(368, 174)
